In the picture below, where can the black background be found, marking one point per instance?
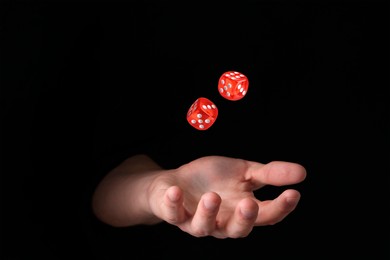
(86, 83)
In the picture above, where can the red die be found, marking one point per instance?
(233, 85)
(202, 113)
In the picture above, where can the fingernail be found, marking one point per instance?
(174, 197)
(291, 201)
(248, 214)
(209, 205)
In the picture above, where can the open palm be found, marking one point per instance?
(213, 195)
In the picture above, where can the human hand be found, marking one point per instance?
(214, 195)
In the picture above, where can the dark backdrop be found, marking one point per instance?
(86, 83)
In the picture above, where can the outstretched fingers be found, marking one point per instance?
(274, 211)
(204, 222)
(204, 219)
(173, 209)
(243, 220)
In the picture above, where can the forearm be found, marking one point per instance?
(121, 198)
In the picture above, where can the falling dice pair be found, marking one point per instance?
(202, 114)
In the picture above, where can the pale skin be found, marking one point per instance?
(209, 196)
